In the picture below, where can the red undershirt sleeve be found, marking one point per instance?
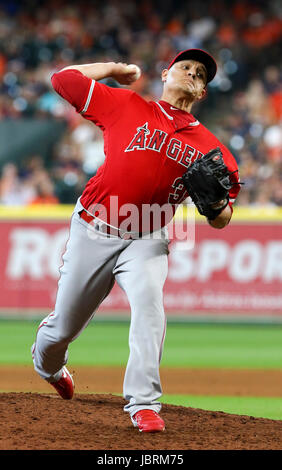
(73, 86)
(95, 101)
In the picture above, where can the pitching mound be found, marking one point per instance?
(32, 421)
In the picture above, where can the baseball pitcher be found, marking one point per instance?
(156, 155)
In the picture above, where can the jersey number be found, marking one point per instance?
(179, 193)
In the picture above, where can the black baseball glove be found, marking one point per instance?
(207, 181)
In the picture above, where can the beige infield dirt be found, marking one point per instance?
(34, 417)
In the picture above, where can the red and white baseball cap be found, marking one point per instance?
(200, 56)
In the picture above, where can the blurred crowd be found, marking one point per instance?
(243, 108)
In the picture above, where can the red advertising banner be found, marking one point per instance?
(235, 271)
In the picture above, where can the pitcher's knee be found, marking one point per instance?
(49, 337)
(64, 337)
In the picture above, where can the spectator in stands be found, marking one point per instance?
(13, 191)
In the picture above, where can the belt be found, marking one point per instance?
(105, 228)
(111, 231)
(85, 216)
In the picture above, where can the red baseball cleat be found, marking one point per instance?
(64, 386)
(148, 421)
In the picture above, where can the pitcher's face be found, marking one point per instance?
(188, 77)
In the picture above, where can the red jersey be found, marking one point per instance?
(147, 145)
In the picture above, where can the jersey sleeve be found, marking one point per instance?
(234, 174)
(95, 101)
(73, 86)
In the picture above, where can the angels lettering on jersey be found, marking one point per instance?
(145, 140)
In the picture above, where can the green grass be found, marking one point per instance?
(186, 345)
(259, 407)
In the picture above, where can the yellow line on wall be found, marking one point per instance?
(64, 212)
(36, 212)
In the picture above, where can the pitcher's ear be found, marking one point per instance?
(203, 95)
(164, 75)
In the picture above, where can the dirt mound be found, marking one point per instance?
(32, 421)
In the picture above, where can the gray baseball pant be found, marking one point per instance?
(91, 264)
